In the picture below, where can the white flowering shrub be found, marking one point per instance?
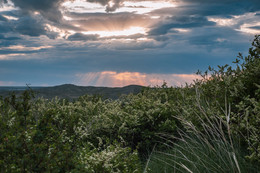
(109, 159)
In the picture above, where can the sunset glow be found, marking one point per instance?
(119, 79)
(138, 7)
(143, 7)
(114, 28)
(125, 32)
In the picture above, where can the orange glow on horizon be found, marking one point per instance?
(120, 79)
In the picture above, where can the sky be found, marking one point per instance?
(116, 43)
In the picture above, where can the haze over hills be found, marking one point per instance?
(70, 91)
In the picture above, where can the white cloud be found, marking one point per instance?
(138, 7)
(9, 6)
(242, 23)
(7, 83)
(249, 28)
(10, 17)
(12, 56)
(24, 48)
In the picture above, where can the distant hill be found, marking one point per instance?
(70, 91)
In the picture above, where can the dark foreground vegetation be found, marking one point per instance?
(212, 125)
(72, 92)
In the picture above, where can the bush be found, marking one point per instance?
(240, 87)
(109, 159)
(210, 147)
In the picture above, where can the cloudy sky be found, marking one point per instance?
(120, 42)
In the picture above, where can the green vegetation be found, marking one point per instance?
(73, 92)
(212, 125)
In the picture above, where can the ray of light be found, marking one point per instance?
(113, 27)
(139, 7)
(119, 79)
(143, 7)
(125, 32)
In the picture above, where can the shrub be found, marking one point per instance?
(240, 87)
(108, 159)
(210, 149)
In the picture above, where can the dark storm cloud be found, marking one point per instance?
(51, 8)
(5, 27)
(48, 8)
(2, 37)
(189, 15)
(37, 4)
(181, 22)
(26, 23)
(7, 52)
(82, 37)
(29, 26)
(249, 5)
(195, 12)
(165, 50)
(255, 27)
(134, 46)
(210, 35)
(209, 8)
(7, 41)
(160, 38)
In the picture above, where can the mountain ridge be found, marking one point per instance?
(71, 91)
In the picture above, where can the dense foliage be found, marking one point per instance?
(96, 135)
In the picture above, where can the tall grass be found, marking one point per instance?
(205, 147)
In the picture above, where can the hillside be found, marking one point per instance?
(70, 91)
